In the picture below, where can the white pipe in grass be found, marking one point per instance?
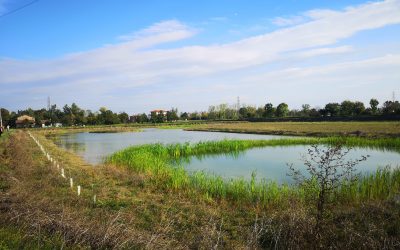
(62, 172)
(94, 199)
(58, 166)
(71, 182)
(79, 190)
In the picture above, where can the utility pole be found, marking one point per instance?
(393, 96)
(50, 110)
(48, 103)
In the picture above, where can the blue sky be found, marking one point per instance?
(139, 55)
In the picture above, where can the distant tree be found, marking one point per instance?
(332, 109)
(391, 108)
(185, 116)
(347, 108)
(374, 105)
(5, 114)
(91, 118)
(305, 109)
(68, 117)
(212, 113)
(172, 115)
(282, 110)
(359, 108)
(107, 117)
(194, 116)
(143, 118)
(323, 112)
(79, 114)
(314, 112)
(221, 111)
(260, 112)
(160, 117)
(269, 110)
(204, 115)
(123, 117)
(243, 113)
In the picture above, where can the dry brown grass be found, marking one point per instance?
(370, 129)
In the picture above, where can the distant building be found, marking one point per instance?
(45, 123)
(25, 121)
(158, 111)
(158, 115)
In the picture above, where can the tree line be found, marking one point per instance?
(74, 115)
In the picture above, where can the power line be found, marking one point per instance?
(18, 9)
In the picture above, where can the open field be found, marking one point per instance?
(365, 129)
(135, 210)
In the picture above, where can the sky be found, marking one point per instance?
(135, 56)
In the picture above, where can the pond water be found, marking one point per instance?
(94, 147)
(267, 162)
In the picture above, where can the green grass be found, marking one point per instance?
(14, 238)
(159, 162)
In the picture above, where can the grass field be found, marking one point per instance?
(364, 129)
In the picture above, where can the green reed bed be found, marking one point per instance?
(159, 162)
(384, 183)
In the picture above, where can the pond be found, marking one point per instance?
(94, 147)
(267, 162)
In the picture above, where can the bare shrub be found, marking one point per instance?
(328, 168)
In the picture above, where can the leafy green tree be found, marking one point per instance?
(269, 110)
(314, 112)
(374, 105)
(172, 115)
(347, 108)
(305, 109)
(282, 110)
(91, 118)
(359, 108)
(243, 113)
(5, 115)
(212, 113)
(391, 108)
(204, 115)
(185, 116)
(260, 112)
(194, 116)
(333, 109)
(107, 117)
(123, 117)
(144, 118)
(68, 117)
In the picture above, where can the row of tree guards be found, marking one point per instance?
(59, 168)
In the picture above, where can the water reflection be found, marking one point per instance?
(268, 162)
(97, 146)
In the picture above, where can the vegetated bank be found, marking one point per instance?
(159, 162)
(132, 211)
(381, 129)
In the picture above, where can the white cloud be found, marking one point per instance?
(127, 67)
(172, 29)
(288, 21)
